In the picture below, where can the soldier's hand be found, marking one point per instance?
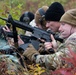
(54, 43)
(49, 45)
(20, 42)
(6, 29)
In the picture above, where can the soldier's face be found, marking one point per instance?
(65, 30)
(52, 25)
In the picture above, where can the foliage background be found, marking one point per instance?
(18, 7)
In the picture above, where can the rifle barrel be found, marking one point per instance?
(5, 19)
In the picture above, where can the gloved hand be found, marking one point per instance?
(30, 52)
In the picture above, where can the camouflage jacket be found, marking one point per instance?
(10, 65)
(53, 60)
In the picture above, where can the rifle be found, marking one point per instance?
(27, 39)
(37, 32)
(14, 32)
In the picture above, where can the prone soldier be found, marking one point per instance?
(9, 62)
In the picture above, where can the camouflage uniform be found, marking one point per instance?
(54, 60)
(10, 65)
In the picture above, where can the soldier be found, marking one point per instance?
(40, 23)
(10, 65)
(9, 62)
(40, 17)
(68, 32)
(53, 15)
(27, 17)
(50, 19)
